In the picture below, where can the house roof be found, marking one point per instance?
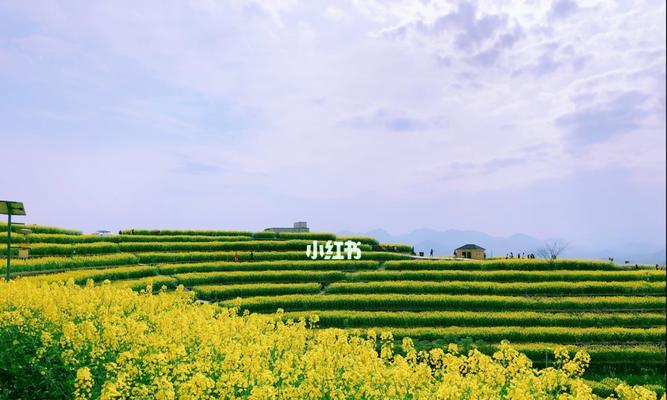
(471, 247)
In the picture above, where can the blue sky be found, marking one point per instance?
(540, 117)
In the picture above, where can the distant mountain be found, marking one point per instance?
(444, 243)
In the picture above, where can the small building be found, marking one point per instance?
(300, 226)
(470, 251)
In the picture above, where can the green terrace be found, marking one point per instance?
(617, 315)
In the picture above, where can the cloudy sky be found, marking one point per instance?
(540, 117)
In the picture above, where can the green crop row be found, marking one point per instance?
(510, 276)
(527, 334)
(47, 249)
(621, 357)
(225, 292)
(406, 319)
(265, 235)
(81, 276)
(494, 288)
(53, 263)
(395, 276)
(607, 388)
(39, 229)
(101, 248)
(397, 247)
(502, 264)
(161, 257)
(191, 279)
(319, 236)
(178, 232)
(73, 239)
(385, 302)
(600, 354)
(205, 273)
(253, 245)
(157, 283)
(361, 239)
(284, 272)
(266, 266)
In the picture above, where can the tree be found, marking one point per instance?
(551, 250)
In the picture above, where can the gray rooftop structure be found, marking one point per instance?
(300, 226)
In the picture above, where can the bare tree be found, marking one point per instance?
(552, 250)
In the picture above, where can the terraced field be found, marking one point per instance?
(617, 315)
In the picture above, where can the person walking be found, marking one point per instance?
(431, 252)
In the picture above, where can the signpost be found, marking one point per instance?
(10, 208)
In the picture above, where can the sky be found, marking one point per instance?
(538, 117)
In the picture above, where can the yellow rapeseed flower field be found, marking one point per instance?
(62, 341)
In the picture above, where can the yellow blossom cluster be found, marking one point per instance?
(107, 342)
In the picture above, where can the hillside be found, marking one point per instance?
(617, 315)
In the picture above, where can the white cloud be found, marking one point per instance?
(297, 97)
